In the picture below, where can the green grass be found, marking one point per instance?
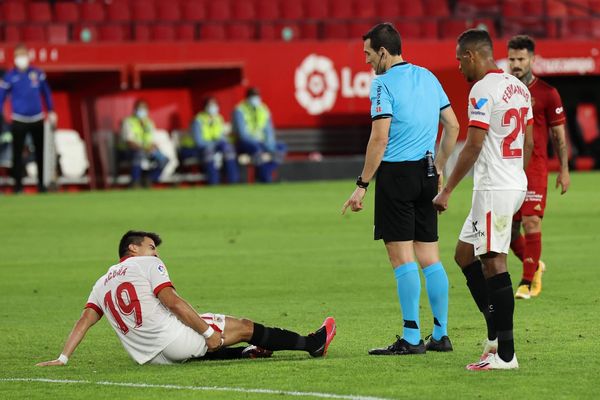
(283, 255)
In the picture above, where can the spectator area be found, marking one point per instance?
(254, 20)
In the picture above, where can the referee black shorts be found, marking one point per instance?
(403, 202)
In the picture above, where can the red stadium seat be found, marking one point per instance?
(39, 12)
(141, 32)
(388, 10)
(243, 10)
(309, 30)
(113, 33)
(267, 31)
(595, 28)
(118, 11)
(162, 32)
(219, 10)
(340, 9)
(270, 31)
(336, 30)
(144, 10)
(13, 11)
(267, 10)
(34, 33)
(453, 27)
(92, 12)
(316, 9)
(409, 29)
(411, 8)
(579, 8)
(436, 8)
(58, 33)
(240, 31)
(193, 10)
(358, 29)
(168, 11)
(557, 8)
(595, 6)
(66, 12)
(429, 29)
(512, 8)
(587, 119)
(12, 34)
(533, 8)
(185, 32)
(364, 9)
(212, 32)
(579, 27)
(292, 10)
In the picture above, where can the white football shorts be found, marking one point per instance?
(189, 343)
(489, 223)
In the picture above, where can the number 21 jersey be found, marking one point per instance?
(127, 294)
(500, 104)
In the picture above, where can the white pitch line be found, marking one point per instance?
(200, 388)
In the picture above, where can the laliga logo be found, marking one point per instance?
(317, 84)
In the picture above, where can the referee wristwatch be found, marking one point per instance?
(361, 184)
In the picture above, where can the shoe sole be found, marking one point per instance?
(328, 339)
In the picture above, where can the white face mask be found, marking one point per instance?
(254, 100)
(141, 113)
(22, 62)
(212, 109)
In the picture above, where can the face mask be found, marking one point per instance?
(141, 113)
(254, 100)
(22, 62)
(212, 109)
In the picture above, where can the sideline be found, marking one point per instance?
(199, 388)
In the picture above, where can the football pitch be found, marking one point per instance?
(283, 255)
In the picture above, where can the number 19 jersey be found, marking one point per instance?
(127, 294)
(500, 104)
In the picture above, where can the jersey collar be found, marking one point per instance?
(398, 64)
(124, 258)
(495, 71)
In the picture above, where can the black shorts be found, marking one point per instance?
(403, 203)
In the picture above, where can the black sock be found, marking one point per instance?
(503, 302)
(479, 290)
(525, 282)
(280, 339)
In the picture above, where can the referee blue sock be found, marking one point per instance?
(436, 283)
(409, 291)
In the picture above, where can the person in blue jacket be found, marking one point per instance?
(27, 86)
(253, 126)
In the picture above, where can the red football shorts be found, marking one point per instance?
(534, 204)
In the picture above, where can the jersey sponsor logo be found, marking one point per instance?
(318, 84)
(162, 270)
(559, 110)
(477, 104)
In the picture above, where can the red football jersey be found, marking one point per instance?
(547, 112)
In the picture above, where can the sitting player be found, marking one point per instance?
(156, 326)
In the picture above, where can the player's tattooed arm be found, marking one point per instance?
(559, 142)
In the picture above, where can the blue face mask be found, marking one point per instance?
(212, 109)
(141, 113)
(254, 101)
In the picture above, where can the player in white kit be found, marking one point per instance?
(498, 146)
(157, 326)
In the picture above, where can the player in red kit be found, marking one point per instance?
(548, 116)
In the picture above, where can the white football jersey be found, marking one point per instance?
(500, 104)
(127, 294)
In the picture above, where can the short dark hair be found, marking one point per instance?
(136, 237)
(139, 102)
(521, 42)
(475, 37)
(252, 91)
(385, 35)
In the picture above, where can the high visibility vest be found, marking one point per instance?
(212, 127)
(142, 130)
(256, 119)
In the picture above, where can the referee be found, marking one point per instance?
(407, 105)
(27, 86)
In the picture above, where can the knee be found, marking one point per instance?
(532, 224)
(247, 328)
(463, 257)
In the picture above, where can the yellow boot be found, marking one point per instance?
(536, 283)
